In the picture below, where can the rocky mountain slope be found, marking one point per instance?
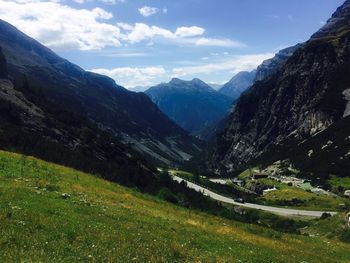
(32, 124)
(238, 84)
(193, 105)
(130, 117)
(271, 66)
(324, 154)
(307, 94)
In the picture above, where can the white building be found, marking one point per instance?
(347, 193)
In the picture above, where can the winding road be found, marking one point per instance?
(271, 209)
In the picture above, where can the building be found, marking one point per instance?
(347, 193)
(347, 218)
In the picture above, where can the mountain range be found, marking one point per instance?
(193, 105)
(238, 84)
(57, 111)
(300, 102)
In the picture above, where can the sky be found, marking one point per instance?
(146, 42)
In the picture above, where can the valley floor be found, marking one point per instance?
(271, 209)
(49, 213)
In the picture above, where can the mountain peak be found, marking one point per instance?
(194, 83)
(176, 81)
(337, 23)
(238, 84)
(197, 81)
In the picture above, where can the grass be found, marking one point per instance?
(182, 174)
(340, 181)
(307, 200)
(285, 194)
(310, 201)
(104, 222)
(247, 173)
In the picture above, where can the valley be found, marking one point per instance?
(174, 143)
(277, 194)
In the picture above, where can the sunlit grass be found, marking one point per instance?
(104, 222)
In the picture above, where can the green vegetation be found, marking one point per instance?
(343, 182)
(49, 213)
(247, 173)
(330, 227)
(292, 196)
(300, 197)
(286, 195)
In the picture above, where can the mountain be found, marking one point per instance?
(215, 86)
(193, 105)
(238, 84)
(139, 88)
(271, 66)
(308, 94)
(61, 91)
(326, 153)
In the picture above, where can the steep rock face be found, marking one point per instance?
(130, 117)
(304, 97)
(193, 105)
(41, 128)
(3, 65)
(324, 154)
(271, 66)
(339, 22)
(238, 84)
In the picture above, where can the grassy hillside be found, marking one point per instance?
(52, 213)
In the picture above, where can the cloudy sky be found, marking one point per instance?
(145, 42)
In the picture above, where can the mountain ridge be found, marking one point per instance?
(304, 97)
(193, 105)
(238, 84)
(130, 117)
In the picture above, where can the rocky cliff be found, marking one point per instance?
(306, 95)
(271, 66)
(3, 65)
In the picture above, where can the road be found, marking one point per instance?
(274, 210)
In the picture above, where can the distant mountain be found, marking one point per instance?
(238, 84)
(60, 89)
(215, 86)
(307, 95)
(193, 105)
(271, 66)
(139, 88)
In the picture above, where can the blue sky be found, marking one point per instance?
(145, 42)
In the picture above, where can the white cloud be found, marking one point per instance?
(218, 42)
(182, 35)
(233, 64)
(125, 26)
(141, 32)
(61, 26)
(147, 76)
(133, 77)
(189, 31)
(111, 2)
(165, 10)
(147, 11)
